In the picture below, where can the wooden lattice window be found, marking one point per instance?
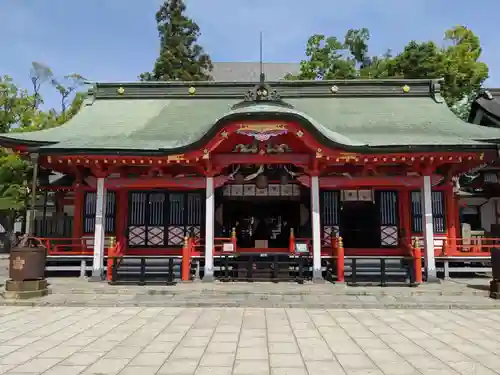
(438, 212)
(330, 214)
(160, 218)
(387, 202)
(89, 212)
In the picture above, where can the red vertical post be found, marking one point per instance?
(186, 260)
(417, 261)
(78, 216)
(291, 242)
(451, 215)
(404, 216)
(111, 254)
(121, 218)
(340, 260)
(234, 240)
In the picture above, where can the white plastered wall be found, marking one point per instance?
(486, 208)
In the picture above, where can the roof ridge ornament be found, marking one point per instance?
(262, 92)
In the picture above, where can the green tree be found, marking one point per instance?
(326, 60)
(21, 111)
(457, 62)
(181, 57)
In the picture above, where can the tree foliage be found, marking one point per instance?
(181, 57)
(20, 111)
(457, 62)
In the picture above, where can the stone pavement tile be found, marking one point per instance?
(344, 347)
(214, 371)
(149, 359)
(324, 368)
(221, 347)
(306, 333)
(187, 352)
(37, 365)
(124, 352)
(320, 353)
(138, 370)
(178, 367)
(431, 371)
(7, 349)
(160, 347)
(283, 348)
(253, 333)
(61, 351)
(449, 355)
(5, 368)
(251, 367)
(280, 337)
(491, 361)
(17, 357)
(370, 343)
(82, 358)
(200, 332)
(355, 361)
(289, 371)
(408, 349)
(400, 367)
(225, 337)
(251, 342)
(66, 370)
(217, 359)
(286, 360)
(107, 366)
(383, 355)
(471, 368)
(421, 362)
(198, 341)
(256, 352)
(368, 371)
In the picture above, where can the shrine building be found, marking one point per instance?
(150, 163)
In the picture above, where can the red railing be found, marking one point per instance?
(72, 246)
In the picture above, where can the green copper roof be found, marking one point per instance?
(167, 117)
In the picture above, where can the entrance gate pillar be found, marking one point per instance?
(209, 230)
(99, 232)
(316, 228)
(428, 224)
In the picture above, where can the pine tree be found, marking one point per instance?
(181, 57)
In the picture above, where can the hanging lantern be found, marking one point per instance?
(239, 178)
(261, 182)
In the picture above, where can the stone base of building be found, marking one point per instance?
(25, 289)
(495, 289)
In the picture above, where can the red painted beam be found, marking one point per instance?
(369, 182)
(157, 182)
(238, 158)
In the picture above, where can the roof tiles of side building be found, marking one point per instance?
(167, 117)
(489, 101)
(250, 71)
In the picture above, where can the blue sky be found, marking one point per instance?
(117, 39)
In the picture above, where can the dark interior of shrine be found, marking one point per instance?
(360, 224)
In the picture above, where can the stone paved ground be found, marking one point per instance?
(219, 341)
(469, 294)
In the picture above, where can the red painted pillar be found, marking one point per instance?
(121, 218)
(186, 259)
(78, 217)
(291, 242)
(404, 215)
(340, 260)
(451, 216)
(417, 259)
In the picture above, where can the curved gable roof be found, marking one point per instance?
(165, 117)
